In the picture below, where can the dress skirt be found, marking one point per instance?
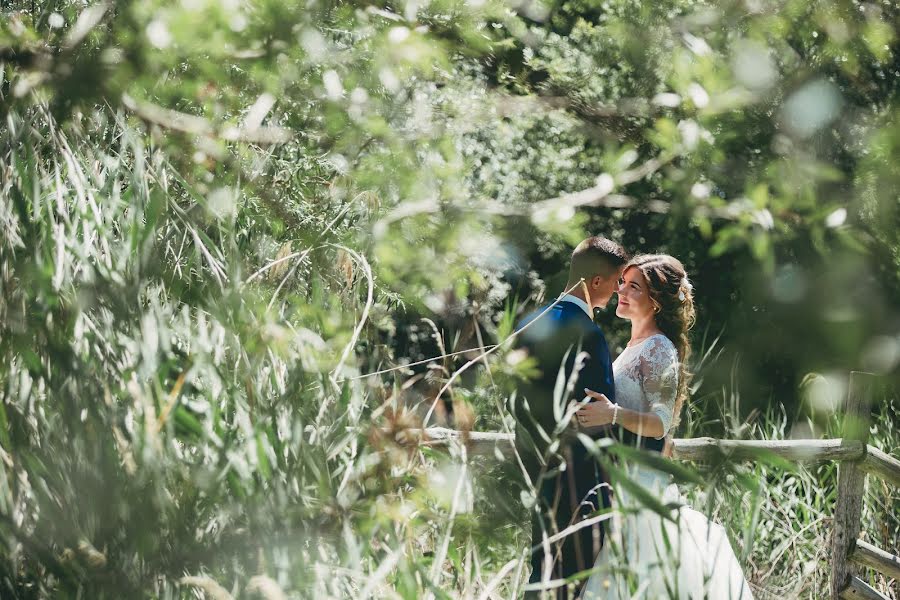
(647, 557)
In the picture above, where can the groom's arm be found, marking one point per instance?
(598, 375)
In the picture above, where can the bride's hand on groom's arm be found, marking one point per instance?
(599, 412)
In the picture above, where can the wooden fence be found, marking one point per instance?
(857, 460)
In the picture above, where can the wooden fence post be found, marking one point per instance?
(851, 482)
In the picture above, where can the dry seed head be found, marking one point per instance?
(210, 587)
(266, 587)
(345, 267)
(92, 557)
(276, 272)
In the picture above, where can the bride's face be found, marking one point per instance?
(634, 298)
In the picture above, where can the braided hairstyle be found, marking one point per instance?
(673, 300)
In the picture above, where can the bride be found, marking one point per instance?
(647, 557)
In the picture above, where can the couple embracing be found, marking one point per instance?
(580, 393)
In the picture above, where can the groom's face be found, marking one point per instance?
(602, 288)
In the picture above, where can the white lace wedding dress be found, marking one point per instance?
(646, 557)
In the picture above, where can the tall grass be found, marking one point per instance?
(164, 414)
(175, 416)
(781, 518)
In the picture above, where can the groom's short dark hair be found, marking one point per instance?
(594, 256)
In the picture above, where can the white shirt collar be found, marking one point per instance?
(580, 303)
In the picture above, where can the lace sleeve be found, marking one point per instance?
(659, 378)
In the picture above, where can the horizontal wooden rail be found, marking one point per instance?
(874, 461)
(867, 555)
(482, 442)
(698, 449)
(883, 465)
(857, 589)
(694, 449)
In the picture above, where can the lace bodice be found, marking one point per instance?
(646, 377)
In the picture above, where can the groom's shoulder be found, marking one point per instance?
(557, 318)
(549, 313)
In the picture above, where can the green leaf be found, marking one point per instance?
(186, 422)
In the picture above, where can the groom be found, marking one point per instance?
(565, 342)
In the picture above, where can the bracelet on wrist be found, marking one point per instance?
(615, 413)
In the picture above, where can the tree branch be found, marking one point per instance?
(194, 125)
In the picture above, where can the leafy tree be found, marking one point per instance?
(217, 216)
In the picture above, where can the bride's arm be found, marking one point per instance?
(601, 412)
(641, 423)
(658, 368)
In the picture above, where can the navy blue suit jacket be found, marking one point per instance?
(555, 339)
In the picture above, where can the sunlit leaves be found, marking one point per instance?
(176, 291)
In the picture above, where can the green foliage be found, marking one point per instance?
(786, 513)
(215, 216)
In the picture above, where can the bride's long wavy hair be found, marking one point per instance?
(673, 297)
